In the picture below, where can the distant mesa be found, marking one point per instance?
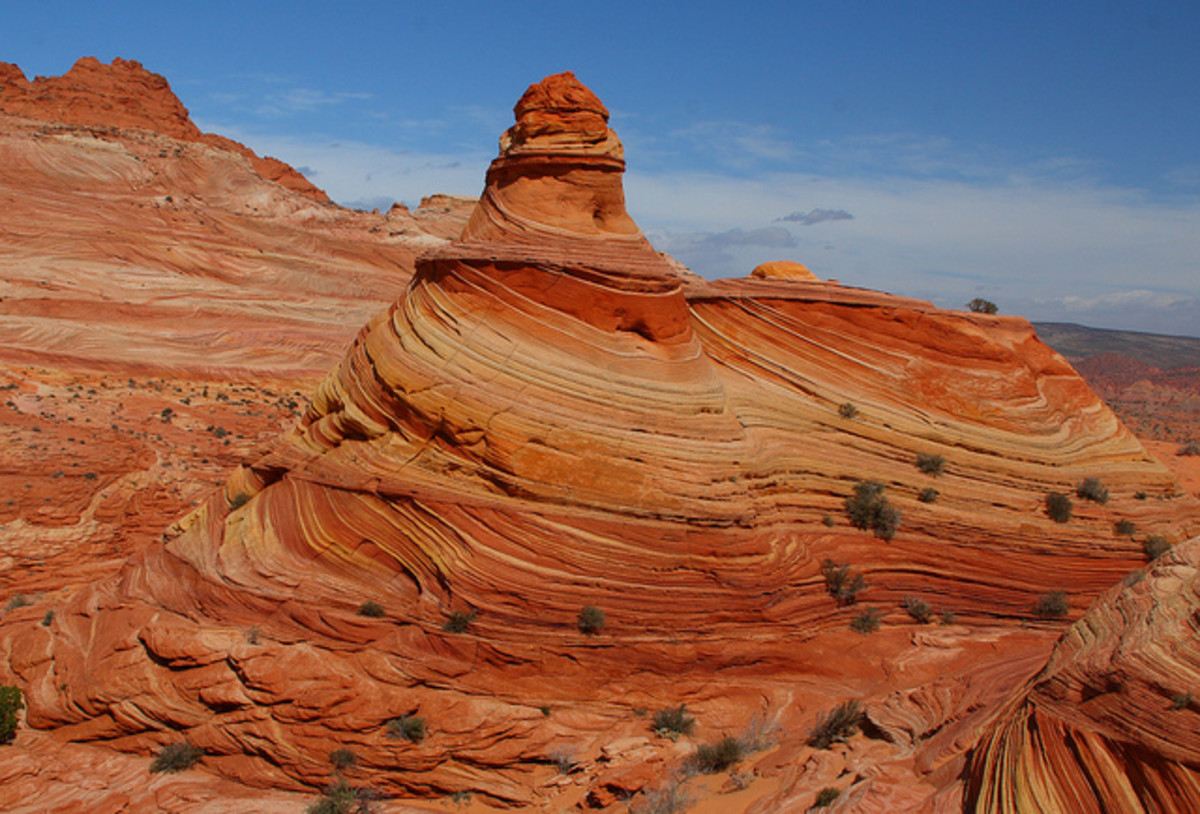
(784, 270)
(125, 95)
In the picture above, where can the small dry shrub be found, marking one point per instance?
(837, 725)
(1052, 605)
(920, 610)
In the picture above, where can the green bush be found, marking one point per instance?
(17, 601)
(1139, 495)
(930, 464)
(48, 618)
(711, 758)
(842, 584)
(1124, 528)
(175, 757)
(673, 721)
(342, 798)
(1052, 605)
(409, 727)
(10, 704)
(867, 508)
(1058, 507)
(1092, 489)
(590, 620)
(459, 621)
(371, 609)
(342, 759)
(837, 725)
(928, 495)
(981, 306)
(867, 621)
(826, 797)
(920, 610)
(1155, 546)
(847, 410)
(1181, 700)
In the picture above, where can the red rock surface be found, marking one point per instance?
(125, 95)
(550, 416)
(1163, 405)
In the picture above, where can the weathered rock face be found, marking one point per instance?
(551, 416)
(125, 95)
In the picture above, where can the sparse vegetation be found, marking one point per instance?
(928, 495)
(867, 508)
(1092, 489)
(340, 797)
(10, 704)
(867, 621)
(342, 759)
(1190, 448)
(17, 601)
(712, 758)
(175, 757)
(1155, 546)
(930, 464)
(847, 410)
(1181, 700)
(981, 306)
(564, 759)
(828, 520)
(843, 584)
(591, 620)
(371, 609)
(1058, 507)
(920, 610)
(1051, 605)
(1139, 495)
(1124, 528)
(48, 618)
(949, 617)
(837, 725)
(459, 621)
(251, 635)
(238, 501)
(671, 798)
(672, 722)
(826, 797)
(409, 727)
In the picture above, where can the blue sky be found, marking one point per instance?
(1044, 156)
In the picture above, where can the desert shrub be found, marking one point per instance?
(847, 410)
(48, 618)
(867, 621)
(17, 601)
(1092, 489)
(843, 584)
(1124, 528)
(410, 727)
(920, 610)
(459, 621)
(826, 796)
(342, 759)
(672, 798)
(238, 501)
(1155, 546)
(591, 620)
(930, 464)
(1181, 700)
(340, 797)
(564, 759)
(949, 617)
(1190, 448)
(867, 508)
(175, 757)
(828, 521)
(981, 306)
(837, 725)
(711, 758)
(1139, 495)
(371, 609)
(673, 721)
(928, 495)
(1051, 605)
(10, 704)
(251, 635)
(1058, 507)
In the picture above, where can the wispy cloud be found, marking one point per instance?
(304, 100)
(815, 216)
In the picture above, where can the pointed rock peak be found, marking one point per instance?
(560, 115)
(92, 94)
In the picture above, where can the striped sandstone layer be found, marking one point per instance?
(551, 416)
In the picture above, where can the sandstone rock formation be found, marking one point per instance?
(549, 417)
(125, 95)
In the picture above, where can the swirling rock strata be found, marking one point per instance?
(552, 416)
